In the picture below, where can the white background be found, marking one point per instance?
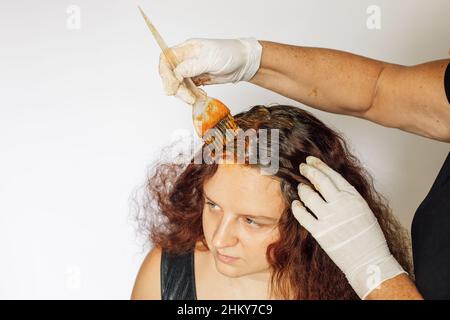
(83, 113)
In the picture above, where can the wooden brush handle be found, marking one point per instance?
(171, 57)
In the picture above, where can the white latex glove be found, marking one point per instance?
(346, 228)
(210, 61)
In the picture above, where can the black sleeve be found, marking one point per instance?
(447, 82)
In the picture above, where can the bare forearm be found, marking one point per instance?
(398, 288)
(410, 98)
(326, 79)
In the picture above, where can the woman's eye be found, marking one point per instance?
(251, 222)
(212, 205)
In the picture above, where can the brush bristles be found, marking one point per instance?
(225, 124)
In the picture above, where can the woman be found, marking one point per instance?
(225, 231)
(414, 99)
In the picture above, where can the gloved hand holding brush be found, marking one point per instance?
(210, 61)
(207, 112)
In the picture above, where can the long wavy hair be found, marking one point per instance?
(173, 206)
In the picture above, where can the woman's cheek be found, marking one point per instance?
(261, 238)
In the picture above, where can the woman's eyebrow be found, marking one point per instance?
(246, 215)
(261, 217)
(208, 198)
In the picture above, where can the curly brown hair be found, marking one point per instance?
(300, 268)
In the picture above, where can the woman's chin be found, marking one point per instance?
(228, 270)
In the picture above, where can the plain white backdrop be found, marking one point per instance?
(83, 113)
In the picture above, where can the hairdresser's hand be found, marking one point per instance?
(346, 228)
(210, 61)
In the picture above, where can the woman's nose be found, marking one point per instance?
(226, 233)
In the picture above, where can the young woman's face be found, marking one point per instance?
(240, 216)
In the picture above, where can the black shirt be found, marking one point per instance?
(431, 239)
(178, 276)
(430, 232)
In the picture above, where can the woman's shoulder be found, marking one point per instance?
(147, 285)
(148, 281)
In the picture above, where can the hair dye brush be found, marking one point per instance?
(207, 112)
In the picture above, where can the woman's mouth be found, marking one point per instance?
(226, 259)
